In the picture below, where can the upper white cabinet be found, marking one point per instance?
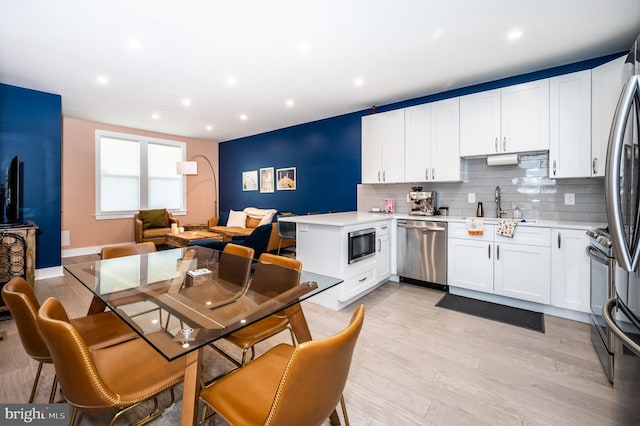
(432, 141)
(507, 120)
(480, 123)
(383, 147)
(607, 83)
(570, 125)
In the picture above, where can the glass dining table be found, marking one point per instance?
(183, 299)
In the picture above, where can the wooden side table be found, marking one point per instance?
(17, 254)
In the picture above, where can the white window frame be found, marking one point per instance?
(143, 142)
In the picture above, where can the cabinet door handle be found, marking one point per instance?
(433, 173)
(554, 167)
(426, 174)
(384, 175)
(504, 143)
(559, 240)
(379, 245)
(363, 279)
(489, 251)
(497, 252)
(378, 175)
(496, 144)
(594, 165)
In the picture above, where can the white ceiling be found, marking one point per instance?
(401, 49)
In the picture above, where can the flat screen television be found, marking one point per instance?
(13, 211)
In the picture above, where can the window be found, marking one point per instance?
(137, 173)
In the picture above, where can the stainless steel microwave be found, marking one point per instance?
(362, 244)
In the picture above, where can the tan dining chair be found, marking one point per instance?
(247, 337)
(110, 252)
(288, 385)
(99, 330)
(119, 377)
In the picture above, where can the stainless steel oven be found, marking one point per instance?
(362, 244)
(603, 285)
(612, 291)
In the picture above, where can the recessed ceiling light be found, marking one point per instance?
(244, 117)
(186, 102)
(232, 81)
(155, 116)
(102, 79)
(135, 44)
(514, 34)
(358, 82)
(437, 34)
(209, 127)
(289, 103)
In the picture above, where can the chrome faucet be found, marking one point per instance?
(499, 211)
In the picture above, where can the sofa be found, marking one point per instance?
(242, 223)
(153, 225)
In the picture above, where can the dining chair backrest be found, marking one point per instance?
(315, 377)
(234, 265)
(111, 252)
(77, 373)
(23, 305)
(274, 275)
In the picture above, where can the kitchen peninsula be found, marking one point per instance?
(543, 268)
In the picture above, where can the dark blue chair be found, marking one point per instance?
(258, 240)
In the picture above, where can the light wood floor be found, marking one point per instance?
(416, 364)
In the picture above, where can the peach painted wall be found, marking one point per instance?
(78, 186)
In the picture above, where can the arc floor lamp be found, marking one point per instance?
(191, 168)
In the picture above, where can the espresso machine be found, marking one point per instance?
(423, 203)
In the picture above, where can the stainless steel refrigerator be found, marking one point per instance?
(621, 309)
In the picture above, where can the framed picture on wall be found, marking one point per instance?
(286, 179)
(250, 180)
(266, 179)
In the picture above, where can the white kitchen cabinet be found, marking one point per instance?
(523, 272)
(432, 141)
(470, 263)
(383, 147)
(606, 86)
(570, 125)
(480, 123)
(517, 267)
(383, 252)
(507, 120)
(570, 269)
(322, 247)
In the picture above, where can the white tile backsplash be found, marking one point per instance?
(525, 185)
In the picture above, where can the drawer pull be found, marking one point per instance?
(363, 279)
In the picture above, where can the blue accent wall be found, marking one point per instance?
(31, 127)
(327, 153)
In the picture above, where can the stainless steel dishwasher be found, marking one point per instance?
(422, 252)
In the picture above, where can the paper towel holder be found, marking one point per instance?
(502, 159)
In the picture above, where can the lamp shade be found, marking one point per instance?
(187, 168)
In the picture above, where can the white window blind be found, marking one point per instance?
(137, 173)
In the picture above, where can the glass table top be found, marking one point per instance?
(181, 299)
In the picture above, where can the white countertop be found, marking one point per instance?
(356, 218)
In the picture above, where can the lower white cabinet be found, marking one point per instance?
(470, 259)
(570, 269)
(323, 248)
(522, 271)
(383, 252)
(517, 267)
